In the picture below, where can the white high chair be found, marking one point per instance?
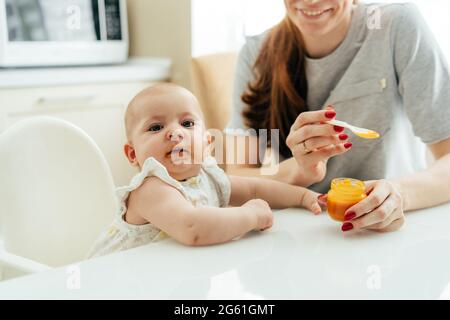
(56, 193)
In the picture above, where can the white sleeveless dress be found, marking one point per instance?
(211, 187)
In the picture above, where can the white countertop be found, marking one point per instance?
(135, 69)
(301, 257)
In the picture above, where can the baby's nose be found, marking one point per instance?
(175, 135)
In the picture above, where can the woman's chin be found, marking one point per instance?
(314, 30)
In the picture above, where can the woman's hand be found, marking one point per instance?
(381, 211)
(313, 142)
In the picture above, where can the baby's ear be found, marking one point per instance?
(209, 140)
(130, 153)
(209, 137)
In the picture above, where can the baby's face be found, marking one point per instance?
(169, 127)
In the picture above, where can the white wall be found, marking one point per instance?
(162, 28)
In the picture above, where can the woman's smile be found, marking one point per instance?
(314, 14)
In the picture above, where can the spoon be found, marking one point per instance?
(360, 132)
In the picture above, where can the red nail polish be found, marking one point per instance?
(338, 128)
(347, 227)
(349, 216)
(343, 136)
(330, 114)
(348, 145)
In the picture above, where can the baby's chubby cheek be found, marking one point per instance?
(155, 151)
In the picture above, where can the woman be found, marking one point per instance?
(376, 67)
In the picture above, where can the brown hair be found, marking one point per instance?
(278, 94)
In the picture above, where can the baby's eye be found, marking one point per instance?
(155, 127)
(188, 123)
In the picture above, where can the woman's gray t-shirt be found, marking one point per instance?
(391, 77)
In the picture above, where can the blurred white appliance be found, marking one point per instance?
(62, 32)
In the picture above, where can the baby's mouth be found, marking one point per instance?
(177, 153)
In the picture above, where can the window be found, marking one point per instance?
(219, 26)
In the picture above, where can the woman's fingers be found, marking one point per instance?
(374, 200)
(312, 141)
(380, 217)
(322, 154)
(313, 117)
(382, 210)
(321, 142)
(382, 226)
(313, 132)
(323, 200)
(394, 226)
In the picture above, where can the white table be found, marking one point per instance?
(301, 257)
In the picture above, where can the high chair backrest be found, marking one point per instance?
(212, 81)
(56, 191)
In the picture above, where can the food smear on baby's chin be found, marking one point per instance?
(179, 156)
(177, 153)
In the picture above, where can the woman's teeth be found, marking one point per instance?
(313, 13)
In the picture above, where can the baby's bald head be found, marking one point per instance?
(157, 96)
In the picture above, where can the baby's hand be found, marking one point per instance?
(310, 201)
(263, 213)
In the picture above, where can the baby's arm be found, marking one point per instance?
(279, 195)
(166, 208)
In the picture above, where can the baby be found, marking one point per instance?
(180, 191)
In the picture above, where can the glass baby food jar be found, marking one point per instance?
(344, 193)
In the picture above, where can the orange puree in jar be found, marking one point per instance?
(344, 193)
